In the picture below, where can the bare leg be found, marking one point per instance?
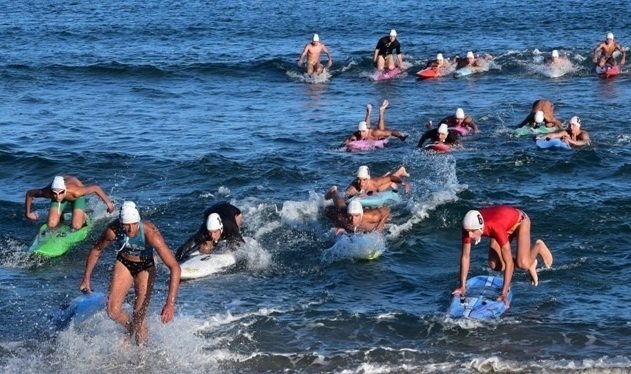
(367, 117)
(78, 219)
(121, 282)
(380, 63)
(143, 288)
(54, 216)
(527, 256)
(390, 61)
(495, 260)
(401, 172)
(381, 125)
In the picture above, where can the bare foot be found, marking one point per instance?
(532, 272)
(384, 105)
(329, 194)
(368, 107)
(545, 253)
(401, 172)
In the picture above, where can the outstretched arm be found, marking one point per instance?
(465, 255)
(28, 201)
(95, 189)
(188, 246)
(583, 141)
(154, 238)
(596, 52)
(328, 55)
(384, 215)
(303, 54)
(93, 256)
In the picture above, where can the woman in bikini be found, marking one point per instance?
(136, 241)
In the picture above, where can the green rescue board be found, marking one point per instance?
(54, 243)
(525, 131)
(373, 254)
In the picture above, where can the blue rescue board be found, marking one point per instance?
(480, 301)
(79, 309)
(379, 199)
(555, 144)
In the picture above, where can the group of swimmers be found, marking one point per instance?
(136, 240)
(387, 56)
(501, 223)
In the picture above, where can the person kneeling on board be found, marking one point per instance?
(541, 115)
(364, 132)
(573, 136)
(354, 218)
(136, 241)
(222, 221)
(66, 193)
(365, 185)
(501, 224)
(442, 134)
(384, 56)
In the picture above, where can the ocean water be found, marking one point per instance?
(177, 105)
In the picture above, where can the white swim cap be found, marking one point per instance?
(129, 213)
(355, 207)
(473, 220)
(58, 184)
(575, 121)
(459, 113)
(539, 118)
(470, 55)
(213, 222)
(362, 172)
(555, 53)
(442, 129)
(315, 38)
(610, 35)
(362, 126)
(393, 32)
(439, 57)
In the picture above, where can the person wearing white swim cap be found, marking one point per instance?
(501, 224)
(384, 56)
(574, 135)
(440, 62)
(365, 132)
(136, 242)
(353, 218)
(474, 63)
(441, 135)
(557, 60)
(364, 184)
(608, 51)
(312, 52)
(460, 120)
(549, 120)
(222, 222)
(66, 194)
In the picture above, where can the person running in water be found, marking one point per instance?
(312, 51)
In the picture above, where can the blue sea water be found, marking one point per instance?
(177, 105)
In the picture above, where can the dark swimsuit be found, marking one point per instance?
(135, 267)
(135, 246)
